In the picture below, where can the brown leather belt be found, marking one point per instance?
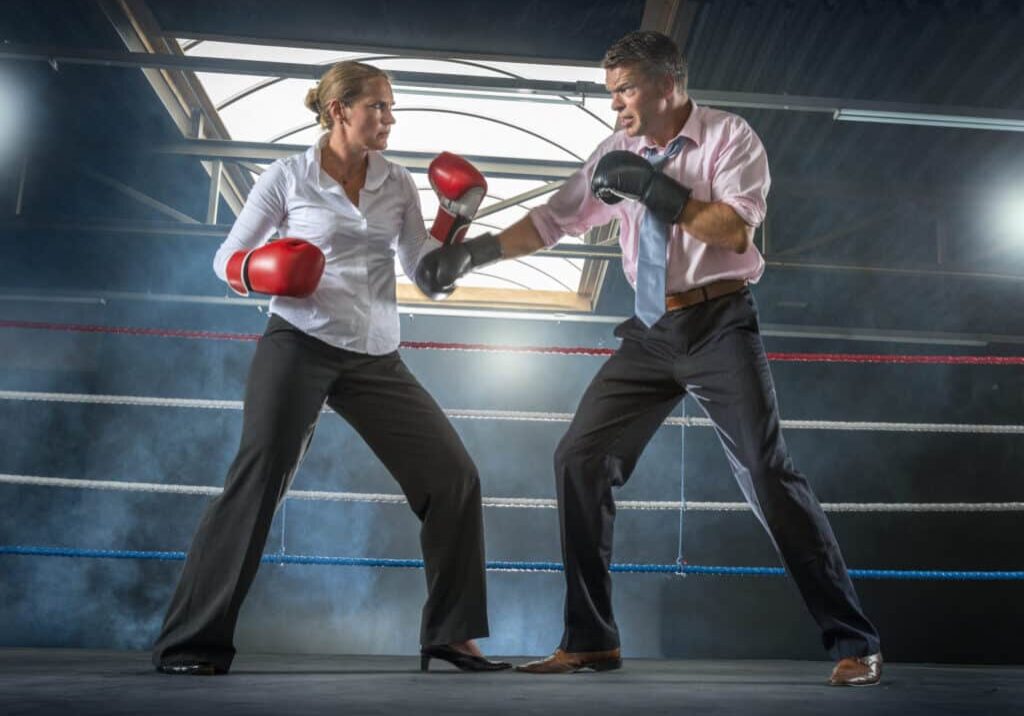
(678, 301)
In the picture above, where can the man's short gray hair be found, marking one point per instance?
(653, 53)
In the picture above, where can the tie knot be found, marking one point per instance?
(654, 157)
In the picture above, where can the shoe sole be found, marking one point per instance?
(210, 671)
(597, 666)
(855, 686)
(610, 665)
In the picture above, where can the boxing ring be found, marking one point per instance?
(682, 505)
(715, 686)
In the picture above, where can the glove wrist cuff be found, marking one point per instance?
(666, 198)
(236, 271)
(484, 250)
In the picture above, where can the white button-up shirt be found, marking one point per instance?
(354, 306)
(722, 160)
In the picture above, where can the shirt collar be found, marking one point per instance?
(691, 129)
(376, 170)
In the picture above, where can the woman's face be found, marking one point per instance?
(368, 119)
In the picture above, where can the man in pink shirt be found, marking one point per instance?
(688, 186)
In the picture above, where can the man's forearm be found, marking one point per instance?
(520, 239)
(716, 224)
(438, 270)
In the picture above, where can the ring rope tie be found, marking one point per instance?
(501, 566)
(518, 415)
(540, 350)
(680, 554)
(508, 502)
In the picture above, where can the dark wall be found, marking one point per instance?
(570, 29)
(103, 119)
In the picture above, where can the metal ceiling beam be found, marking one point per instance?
(287, 70)
(19, 196)
(686, 18)
(182, 95)
(517, 199)
(118, 226)
(543, 170)
(190, 37)
(674, 18)
(553, 170)
(575, 251)
(136, 195)
(219, 231)
(838, 108)
(659, 15)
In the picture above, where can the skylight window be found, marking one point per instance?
(432, 120)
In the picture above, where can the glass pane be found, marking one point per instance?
(432, 120)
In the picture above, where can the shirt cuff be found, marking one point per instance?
(752, 212)
(547, 226)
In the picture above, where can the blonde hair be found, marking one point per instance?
(346, 81)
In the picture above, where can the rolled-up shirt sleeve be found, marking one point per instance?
(264, 211)
(741, 177)
(573, 209)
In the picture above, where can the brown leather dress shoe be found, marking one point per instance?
(857, 671)
(566, 662)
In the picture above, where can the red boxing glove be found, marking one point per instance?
(287, 267)
(460, 189)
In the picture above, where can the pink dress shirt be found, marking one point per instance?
(722, 161)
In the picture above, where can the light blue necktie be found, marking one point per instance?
(650, 265)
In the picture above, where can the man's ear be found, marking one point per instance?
(668, 85)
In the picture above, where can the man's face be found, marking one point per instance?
(641, 102)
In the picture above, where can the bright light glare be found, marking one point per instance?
(1008, 211)
(12, 117)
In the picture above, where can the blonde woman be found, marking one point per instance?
(334, 339)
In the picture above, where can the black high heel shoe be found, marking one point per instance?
(459, 659)
(191, 668)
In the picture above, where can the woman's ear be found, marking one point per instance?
(337, 111)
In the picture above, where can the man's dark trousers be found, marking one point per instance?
(291, 377)
(713, 351)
